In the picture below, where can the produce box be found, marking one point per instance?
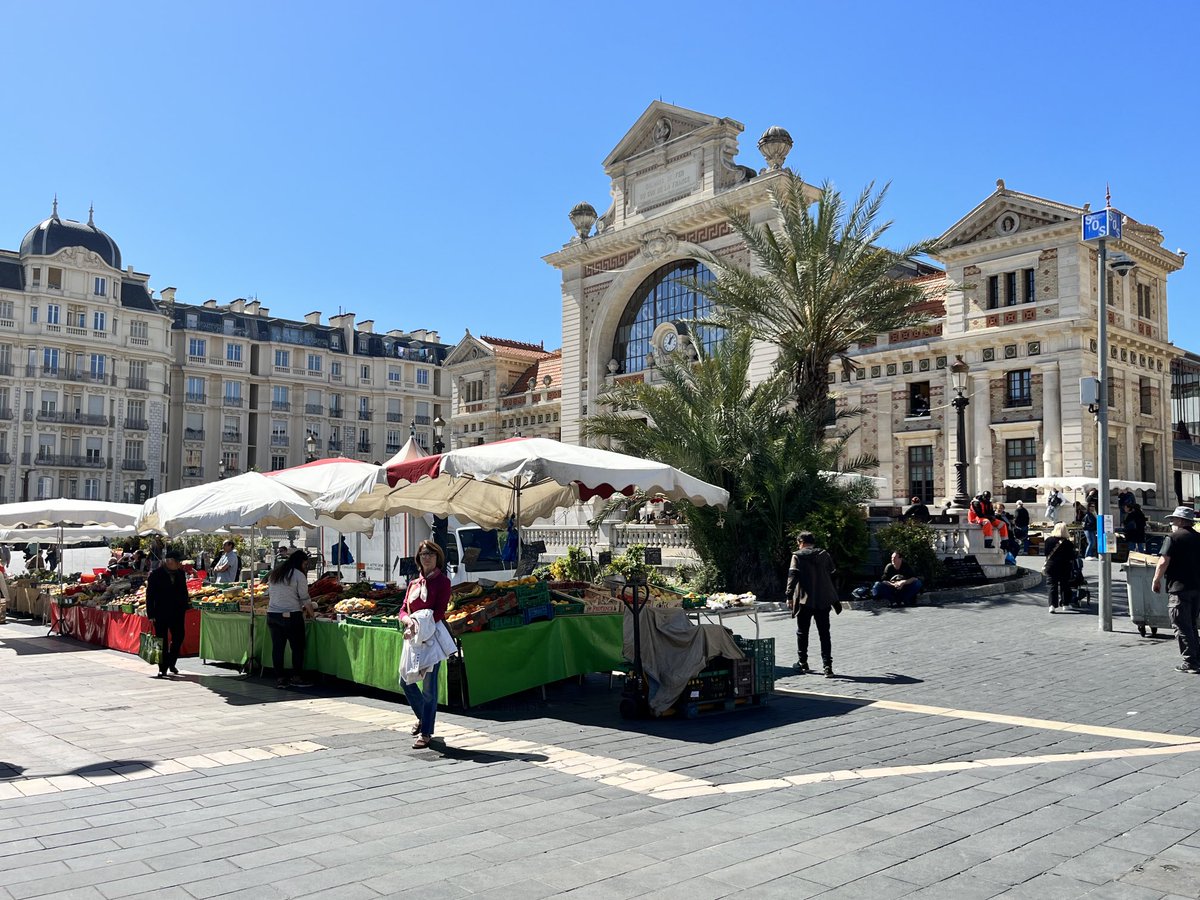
(762, 652)
(574, 588)
(537, 613)
(502, 622)
(566, 605)
(532, 595)
(606, 607)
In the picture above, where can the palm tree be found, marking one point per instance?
(820, 282)
(706, 418)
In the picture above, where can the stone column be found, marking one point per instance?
(1051, 421)
(981, 402)
(883, 421)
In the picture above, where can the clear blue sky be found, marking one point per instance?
(413, 162)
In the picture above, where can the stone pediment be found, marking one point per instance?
(470, 347)
(1006, 214)
(660, 125)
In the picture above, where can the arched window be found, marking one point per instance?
(666, 296)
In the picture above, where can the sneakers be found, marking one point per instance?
(1186, 669)
(281, 683)
(829, 670)
(173, 670)
(800, 668)
(1053, 610)
(301, 684)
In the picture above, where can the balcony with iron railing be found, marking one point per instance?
(232, 401)
(64, 460)
(314, 409)
(6, 368)
(363, 447)
(137, 384)
(395, 417)
(280, 440)
(231, 437)
(335, 446)
(195, 398)
(336, 412)
(193, 434)
(365, 415)
(281, 406)
(392, 447)
(422, 420)
(5, 458)
(193, 471)
(72, 417)
(5, 414)
(133, 465)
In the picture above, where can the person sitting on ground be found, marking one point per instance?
(900, 584)
(916, 511)
(982, 513)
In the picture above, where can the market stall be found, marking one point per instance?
(116, 629)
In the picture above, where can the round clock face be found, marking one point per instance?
(670, 341)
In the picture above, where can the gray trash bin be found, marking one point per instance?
(1146, 608)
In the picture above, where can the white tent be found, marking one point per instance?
(1077, 483)
(251, 500)
(65, 512)
(528, 478)
(81, 534)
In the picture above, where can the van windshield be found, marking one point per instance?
(481, 549)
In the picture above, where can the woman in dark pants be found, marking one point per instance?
(289, 604)
(1060, 566)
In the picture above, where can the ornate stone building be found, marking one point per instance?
(1020, 307)
(625, 284)
(501, 388)
(84, 364)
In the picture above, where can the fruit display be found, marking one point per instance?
(515, 582)
(354, 605)
(730, 601)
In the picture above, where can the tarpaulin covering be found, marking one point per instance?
(117, 630)
(497, 663)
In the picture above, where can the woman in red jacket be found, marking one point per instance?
(429, 590)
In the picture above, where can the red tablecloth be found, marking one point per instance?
(118, 630)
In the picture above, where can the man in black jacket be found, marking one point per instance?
(811, 595)
(1179, 566)
(167, 603)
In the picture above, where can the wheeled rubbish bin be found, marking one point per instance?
(1146, 608)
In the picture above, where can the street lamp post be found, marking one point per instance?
(310, 448)
(958, 381)
(221, 469)
(439, 427)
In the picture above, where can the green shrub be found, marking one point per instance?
(914, 541)
(841, 529)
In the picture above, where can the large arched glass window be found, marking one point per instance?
(666, 296)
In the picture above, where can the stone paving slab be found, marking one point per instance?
(958, 785)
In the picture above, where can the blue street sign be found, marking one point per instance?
(1104, 223)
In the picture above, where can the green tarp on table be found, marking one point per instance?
(497, 663)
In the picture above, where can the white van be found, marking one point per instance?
(473, 553)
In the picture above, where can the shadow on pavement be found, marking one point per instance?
(39, 645)
(484, 757)
(10, 771)
(889, 678)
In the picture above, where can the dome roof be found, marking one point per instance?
(48, 237)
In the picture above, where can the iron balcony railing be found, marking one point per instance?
(137, 425)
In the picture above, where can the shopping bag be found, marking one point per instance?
(151, 648)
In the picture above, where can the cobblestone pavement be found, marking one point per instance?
(983, 749)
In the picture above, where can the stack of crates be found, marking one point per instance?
(762, 653)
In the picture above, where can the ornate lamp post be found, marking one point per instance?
(221, 469)
(439, 427)
(958, 381)
(310, 448)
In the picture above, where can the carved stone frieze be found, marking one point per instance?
(658, 244)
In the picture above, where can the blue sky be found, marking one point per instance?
(412, 163)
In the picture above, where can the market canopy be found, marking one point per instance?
(1077, 483)
(80, 534)
(489, 483)
(250, 500)
(348, 495)
(66, 512)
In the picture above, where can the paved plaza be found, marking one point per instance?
(980, 749)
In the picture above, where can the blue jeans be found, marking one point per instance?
(1137, 546)
(1091, 545)
(422, 698)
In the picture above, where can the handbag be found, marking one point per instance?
(150, 648)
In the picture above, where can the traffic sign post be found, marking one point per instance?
(1099, 226)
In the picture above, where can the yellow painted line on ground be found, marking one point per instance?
(1125, 734)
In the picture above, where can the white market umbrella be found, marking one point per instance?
(80, 534)
(66, 512)
(1076, 483)
(250, 500)
(529, 478)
